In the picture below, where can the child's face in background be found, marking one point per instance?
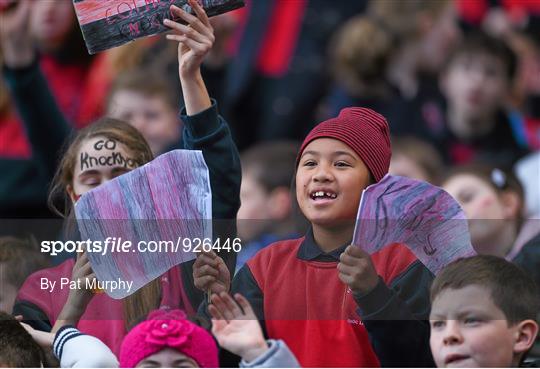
(402, 165)
(168, 358)
(469, 330)
(329, 182)
(254, 212)
(51, 21)
(475, 85)
(482, 205)
(157, 121)
(99, 160)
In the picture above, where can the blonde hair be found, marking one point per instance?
(148, 297)
(403, 17)
(362, 49)
(421, 152)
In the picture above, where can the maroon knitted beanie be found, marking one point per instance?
(364, 131)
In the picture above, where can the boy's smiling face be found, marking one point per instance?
(469, 330)
(329, 182)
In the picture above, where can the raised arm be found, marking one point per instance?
(194, 42)
(206, 130)
(45, 125)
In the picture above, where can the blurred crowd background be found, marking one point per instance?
(457, 80)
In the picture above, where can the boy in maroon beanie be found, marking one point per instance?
(331, 302)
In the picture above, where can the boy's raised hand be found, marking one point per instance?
(195, 39)
(210, 273)
(357, 271)
(235, 326)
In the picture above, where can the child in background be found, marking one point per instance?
(17, 348)
(18, 259)
(168, 339)
(384, 58)
(414, 158)
(320, 294)
(44, 36)
(143, 99)
(266, 213)
(204, 130)
(165, 339)
(483, 314)
(493, 202)
(73, 349)
(476, 83)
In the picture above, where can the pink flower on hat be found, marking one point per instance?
(171, 333)
(172, 329)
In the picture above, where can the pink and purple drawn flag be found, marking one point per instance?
(422, 216)
(155, 208)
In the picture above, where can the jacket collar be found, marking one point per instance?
(310, 251)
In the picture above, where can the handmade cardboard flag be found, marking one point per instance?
(422, 216)
(109, 23)
(143, 218)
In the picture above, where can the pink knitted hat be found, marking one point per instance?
(165, 329)
(363, 130)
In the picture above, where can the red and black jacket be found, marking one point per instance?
(295, 290)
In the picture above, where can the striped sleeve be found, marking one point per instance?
(62, 336)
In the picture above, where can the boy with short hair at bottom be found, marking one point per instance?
(483, 314)
(329, 301)
(17, 348)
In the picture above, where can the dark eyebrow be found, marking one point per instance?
(149, 362)
(90, 172)
(339, 153)
(309, 152)
(436, 316)
(183, 361)
(334, 154)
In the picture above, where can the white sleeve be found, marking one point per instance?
(278, 355)
(77, 350)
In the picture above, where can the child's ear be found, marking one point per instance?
(71, 193)
(280, 203)
(526, 333)
(511, 203)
